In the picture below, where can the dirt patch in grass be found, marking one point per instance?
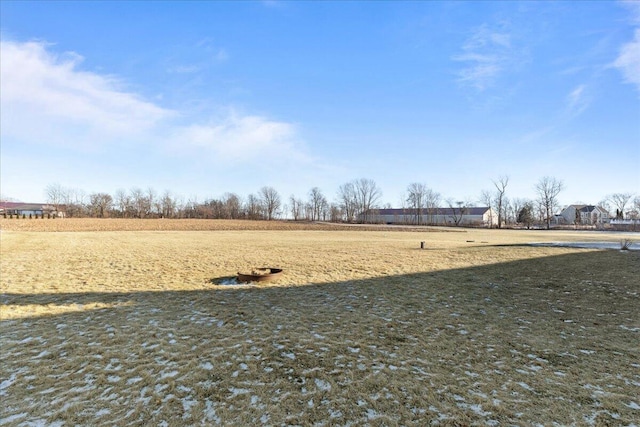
(364, 329)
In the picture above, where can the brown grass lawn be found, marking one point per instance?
(120, 327)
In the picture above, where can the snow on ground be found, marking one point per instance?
(588, 245)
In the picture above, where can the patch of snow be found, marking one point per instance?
(372, 415)
(42, 423)
(187, 404)
(477, 409)
(237, 391)
(113, 378)
(170, 374)
(633, 405)
(210, 412)
(7, 383)
(291, 356)
(586, 245)
(206, 366)
(335, 414)
(322, 385)
(102, 412)
(134, 380)
(12, 418)
(526, 386)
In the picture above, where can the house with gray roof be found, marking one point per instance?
(585, 215)
(29, 209)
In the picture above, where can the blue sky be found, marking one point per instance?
(203, 98)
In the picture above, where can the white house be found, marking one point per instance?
(585, 215)
(473, 216)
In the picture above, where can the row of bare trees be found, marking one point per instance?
(355, 201)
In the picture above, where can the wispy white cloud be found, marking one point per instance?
(48, 100)
(628, 60)
(44, 94)
(577, 101)
(237, 138)
(486, 54)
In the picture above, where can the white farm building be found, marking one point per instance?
(471, 216)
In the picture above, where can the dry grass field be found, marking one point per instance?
(127, 323)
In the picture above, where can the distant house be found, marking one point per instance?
(585, 215)
(27, 209)
(472, 216)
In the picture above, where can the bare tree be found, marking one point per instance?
(151, 202)
(232, 206)
(515, 205)
(55, 194)
(74, 200)
(335, 213)
(316, 203)
(620, 201)
(253, 207)
(433, 199)
(139, 202)
(348, 201)
(501, 186)
(635, 212)
(100, 204)
(548, 189)
(458, 210)
(417, 200)
(270, 201)
(297, 207)
(123, 203)
(367, 196)
(168, 205)
(325, 209)
(486, 198)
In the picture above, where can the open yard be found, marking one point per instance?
(127, 323)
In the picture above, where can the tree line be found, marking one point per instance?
(355, 201)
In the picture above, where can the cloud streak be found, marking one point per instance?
(237, 138)
(486, 54)
(577, 101)
(628, 60)
(48, 100)
(42, 92)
